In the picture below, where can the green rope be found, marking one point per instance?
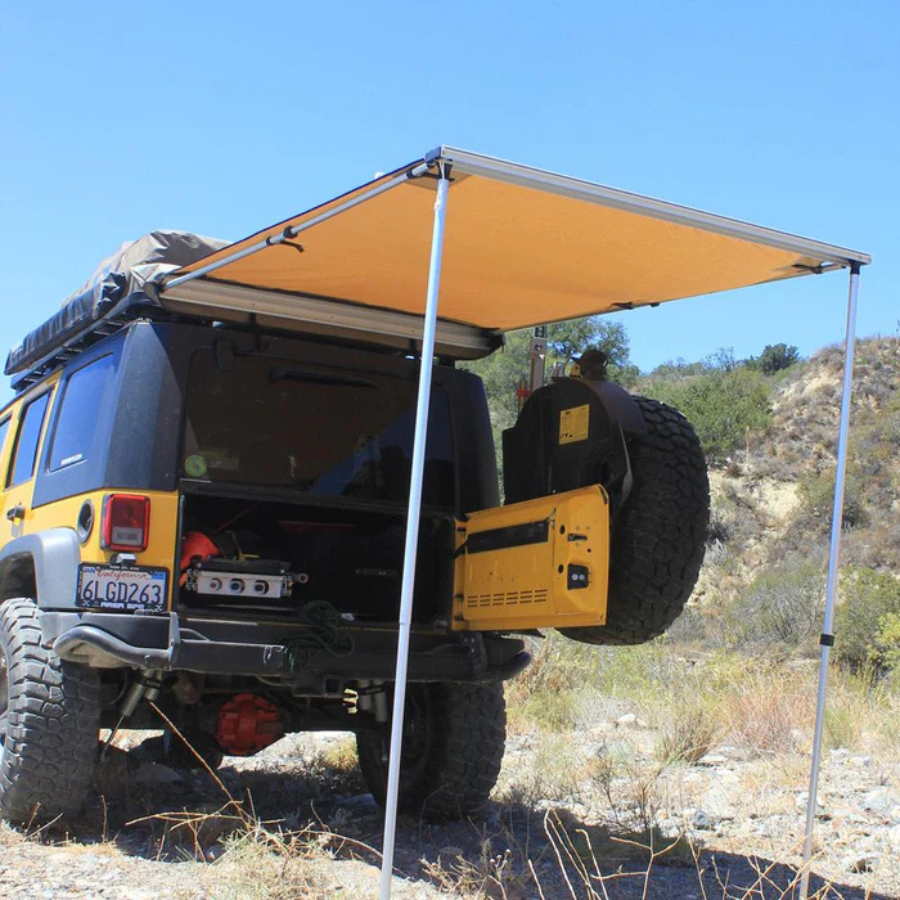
(326, 632)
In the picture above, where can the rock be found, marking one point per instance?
(860, 761)
(669, 828)
(155, 774)
(879, 800)
(217, 851)
(629, 720)
(699, 819)
(802, 802)
(360, 804)
(713, 759)
(867, 863)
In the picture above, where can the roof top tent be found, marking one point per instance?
(506, 247)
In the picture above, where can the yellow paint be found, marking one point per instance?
(527, 586)
(161, 550)
(573, 424)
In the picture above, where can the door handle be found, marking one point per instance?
(15, 512)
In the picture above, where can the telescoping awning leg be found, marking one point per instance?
(412, 532)
(827, 639)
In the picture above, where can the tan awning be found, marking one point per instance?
(522, 247)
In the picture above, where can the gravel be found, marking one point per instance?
(735, 819)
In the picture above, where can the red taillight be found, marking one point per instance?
(126, 522)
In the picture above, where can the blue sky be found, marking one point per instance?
(221, 118)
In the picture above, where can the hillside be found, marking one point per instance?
(676, 769)
(772, 498)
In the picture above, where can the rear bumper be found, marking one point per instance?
(155, 642)
(214, 646)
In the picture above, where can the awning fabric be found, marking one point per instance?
(522, 247)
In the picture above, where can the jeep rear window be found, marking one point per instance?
(25, 454)
(81, 402)
(322, 430)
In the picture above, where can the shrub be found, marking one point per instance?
(687, 734)
(866, 620)
(765, 711)
(817, 499)
(724, 408)
(781, 606)
(888, 640)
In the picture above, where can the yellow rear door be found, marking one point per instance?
(543, 563)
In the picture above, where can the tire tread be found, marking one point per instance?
(53, 716)
(659, 539)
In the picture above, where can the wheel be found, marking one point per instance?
(49, 722)
(659, 537)
(453, 741)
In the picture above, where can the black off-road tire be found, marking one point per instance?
(659, 537)
(453, 742)
(49, 726)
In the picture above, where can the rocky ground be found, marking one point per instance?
(562, 824)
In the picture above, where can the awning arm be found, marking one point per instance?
(837, 514)
(412, 529)
(293, 230)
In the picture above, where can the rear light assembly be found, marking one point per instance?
(125, 524)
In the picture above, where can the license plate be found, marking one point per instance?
(120, 588)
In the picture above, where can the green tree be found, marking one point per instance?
(721, 361)
(774, 358)
(507, 368)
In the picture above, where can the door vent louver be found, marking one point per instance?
(510, 598)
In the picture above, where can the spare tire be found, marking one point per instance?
(658, 537)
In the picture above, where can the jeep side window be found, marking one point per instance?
(4, 427)
(25, 454)
(83, 395)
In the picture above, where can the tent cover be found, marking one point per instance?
(120, 281)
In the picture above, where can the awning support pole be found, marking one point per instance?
(412, 532)
(837, 514)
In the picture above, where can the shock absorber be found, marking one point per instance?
(373, 698)
(146, 686)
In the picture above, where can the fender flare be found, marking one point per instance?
(45, 563)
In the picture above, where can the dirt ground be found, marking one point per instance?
(724, 827)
